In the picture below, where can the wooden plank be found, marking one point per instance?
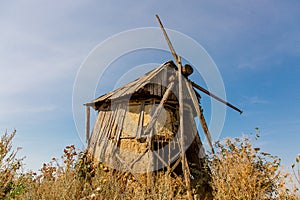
(129, 170)
(141, 121)
(159, 108)
(97, 128)
(138, 158)
(150, 175)
(113, 121)
(200, 115)
(176, 164)
(120, 123)
(216, 97)
(163, 151)
(157, 152)
(139, 83)
(94, 132)
(167, 39)
(103, 133)
(87, 125)
(164, 80)
(114, 133)
(113, 127)
(119, 127)
(108, 131)
(169, 154)
(182, 141)
(160, 158)
(196, 138)
(131, 87)
(103, 126)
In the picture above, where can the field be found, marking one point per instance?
(237, 171)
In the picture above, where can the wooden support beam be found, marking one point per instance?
(96, 131)
(141, 121)
(181, 129)
(120, 123)
(167, 39)
(106, 132)
(175, 164)
(200, 114)
(129, 170)
(138, 158)
(87, 125)
(118, 128)
(149, 130)
(215, 97)
(161, 159)
(150, 169)
(159, 108)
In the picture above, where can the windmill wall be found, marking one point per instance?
(119, 131)
(118, 136)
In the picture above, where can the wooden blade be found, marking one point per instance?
(167, 39)
(200, 114)
(194, 84)
(215, 97)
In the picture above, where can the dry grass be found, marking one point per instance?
(9, 165)
(238, 171)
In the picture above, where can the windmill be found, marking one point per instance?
(197, 106)
(148, 125)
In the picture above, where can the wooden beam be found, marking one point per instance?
(167, 38)
(129, 170)
(181, 128)
(96, 134)
(161, 159)
(215, 97)
(141, 121)
(138, 158)
(105, 135)
(200, 114)
(87, 125)
(120, 123)
(159, 108)
(176, 164)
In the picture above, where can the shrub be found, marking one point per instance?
(9, 166)
(240, 171)
(296, 170)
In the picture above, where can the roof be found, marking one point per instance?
(133, 86)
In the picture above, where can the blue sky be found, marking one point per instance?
(255, 44)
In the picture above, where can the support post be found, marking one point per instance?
(87, 125)
(185, 166)
(200, 115)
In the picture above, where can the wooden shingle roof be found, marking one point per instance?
(133, 86)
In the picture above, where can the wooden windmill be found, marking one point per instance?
(148, 126)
